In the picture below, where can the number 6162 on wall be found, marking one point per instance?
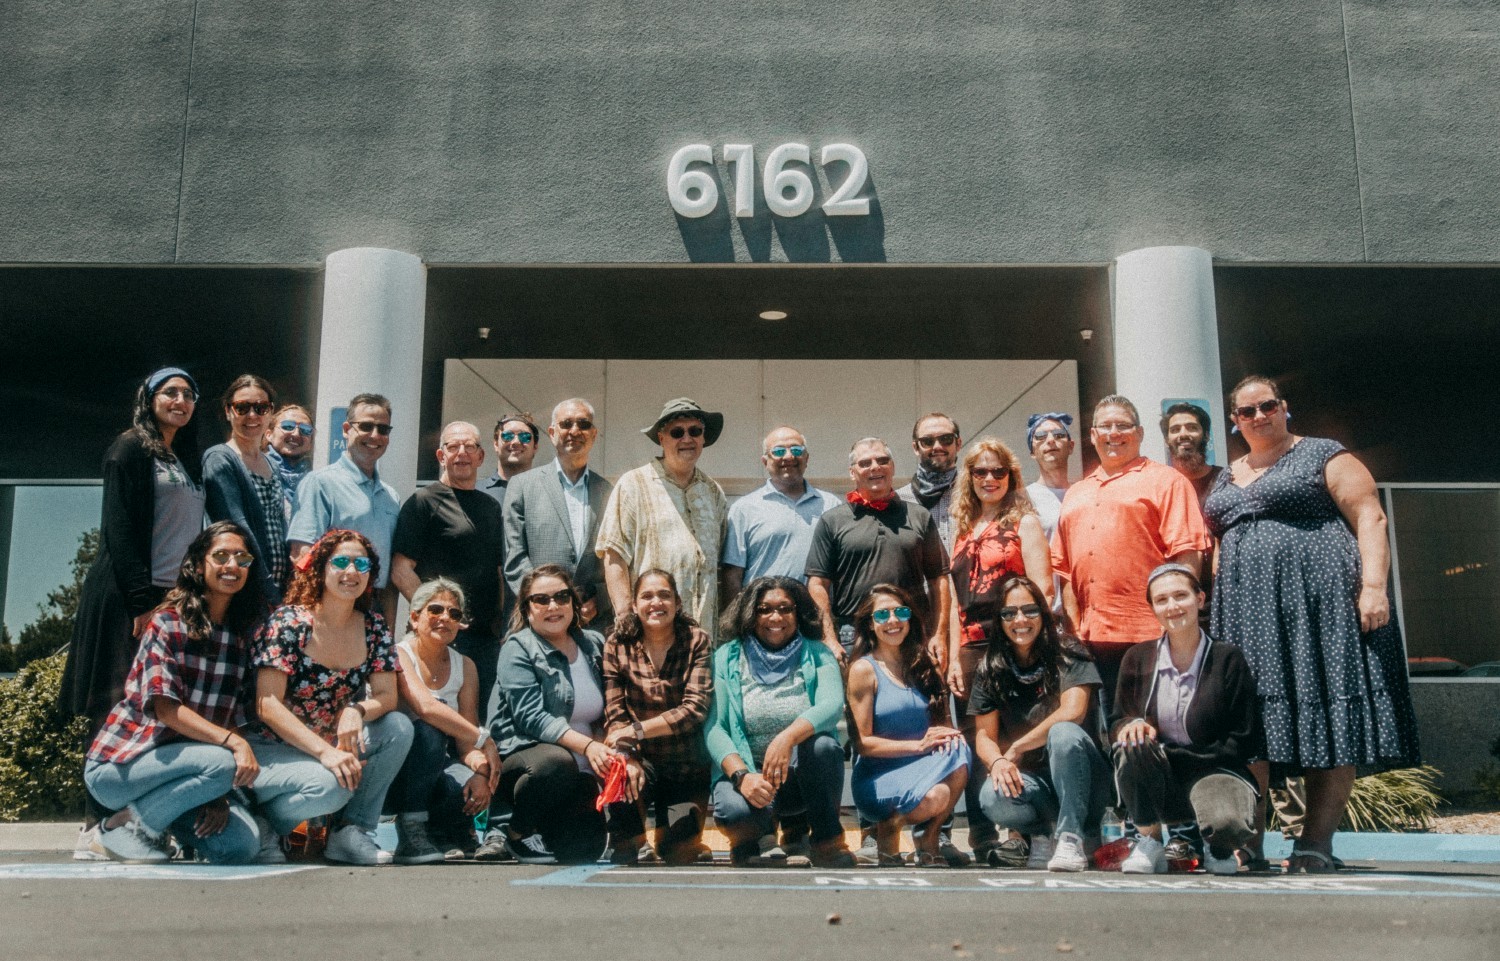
(788, 190)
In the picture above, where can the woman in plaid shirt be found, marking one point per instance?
(170, 753)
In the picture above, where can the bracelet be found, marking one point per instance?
(358, 706)
(227, 735)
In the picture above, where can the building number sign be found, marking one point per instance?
(788, 190)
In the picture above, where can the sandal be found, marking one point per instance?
(1252, 862)
(927, 859)
(1308, 861)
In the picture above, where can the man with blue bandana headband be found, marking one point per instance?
(1051, 444)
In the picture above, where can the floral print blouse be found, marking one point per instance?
(315, 693)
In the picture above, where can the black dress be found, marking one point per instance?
(1287, 594)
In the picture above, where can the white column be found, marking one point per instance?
(1167, 339)
(374, 307)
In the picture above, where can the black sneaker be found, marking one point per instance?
(531, 849)
(1010, 853)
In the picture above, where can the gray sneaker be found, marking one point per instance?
(134, 843)
(270, 844)
(351, 845)
(413, 846)
(868, 853)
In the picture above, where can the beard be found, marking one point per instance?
(1190, 454)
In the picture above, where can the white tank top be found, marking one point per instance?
(448, 693)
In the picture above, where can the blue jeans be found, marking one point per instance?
(814, 784)
(293, 787)
(1069, 796)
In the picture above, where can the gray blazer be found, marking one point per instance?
(537, 532)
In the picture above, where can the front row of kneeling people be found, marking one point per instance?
(234, 730)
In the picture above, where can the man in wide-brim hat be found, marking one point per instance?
(669, 515)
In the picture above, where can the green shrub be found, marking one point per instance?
(41, 751)
(1401, 800)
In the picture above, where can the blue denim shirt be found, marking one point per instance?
(534, 691)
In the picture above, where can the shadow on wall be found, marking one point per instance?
(810, 238)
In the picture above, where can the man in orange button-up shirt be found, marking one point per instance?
(1117, 524)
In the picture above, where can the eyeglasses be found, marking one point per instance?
(676, 433)
(1027, 611)
(575, 423)
(454, 613)
(370, 427)
(865, 463)
(902, 614)
(342, 561)
(179, 393)
(245, 408)
(1247, 411)
(240, 558)
(997, 473)
(796, 450)
(293, 425)
(946, 440)
(524, 436)
(463, 448)
(560, 598)
(784, 610)
(1115, 428)
(1058, 434)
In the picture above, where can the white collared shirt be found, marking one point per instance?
(576, 496)
(1175, 690)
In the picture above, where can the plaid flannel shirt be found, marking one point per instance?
(679, 694)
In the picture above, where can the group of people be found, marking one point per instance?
(580, 655)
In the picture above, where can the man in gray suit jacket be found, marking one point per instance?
(552, 512)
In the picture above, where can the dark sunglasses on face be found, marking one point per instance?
(245, 407)
(946, 440)
(676, 433)
(292, 425)
(369, 427)
(998, 473)
(575, 423)
(1247, 411)
(454, 613)
(866, 463)
(524, 436)
(560, 598)
(785, 610)
(902, 614)
(240, 558)
(179, 393)
(1058, 434)
(1027, 611)
(342, 561)
(796, 450)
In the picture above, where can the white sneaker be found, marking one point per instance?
(351, 845)
(1148, 856)
(1218, 865)
(87, 846)
(1068, 853)
(270, 844)
(134, 843)
(1041, 852)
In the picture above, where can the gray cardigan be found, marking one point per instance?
(230, 496)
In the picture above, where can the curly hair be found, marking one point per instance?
(189, 596)
(921, 672)
(1053, 647)
(739, 619)
(631, 629)
(966, 505)
(308, 583)
(518, 618)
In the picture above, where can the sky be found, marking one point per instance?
(44, 538)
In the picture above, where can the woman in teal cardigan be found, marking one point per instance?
(778, 696)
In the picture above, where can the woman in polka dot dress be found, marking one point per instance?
(1301, 588)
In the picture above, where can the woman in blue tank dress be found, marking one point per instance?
(909, 770)
(1301, 589)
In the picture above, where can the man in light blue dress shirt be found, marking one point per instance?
(771, 528)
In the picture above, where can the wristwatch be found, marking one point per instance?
(738, 776)
(640, 732)
(484, 735)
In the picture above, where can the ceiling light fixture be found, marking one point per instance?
(773, 315)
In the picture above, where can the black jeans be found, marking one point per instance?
(678, 797)
(1222, 804)
(548, 793)
(431, 780)
(814, 784)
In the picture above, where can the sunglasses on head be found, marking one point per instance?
(677, 433)
(342, 561)
(902, 614)
(246, 407)
(1247, 411)
(179, 393)
(293, 425)
(779, 451)
(947, 440)
(560, 598)
(998, 473)
(524, 436)
(575, 423)
(371, 427)
(1027, 611)
(240, 558)
(437, 610)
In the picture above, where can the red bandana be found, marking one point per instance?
(860, 500)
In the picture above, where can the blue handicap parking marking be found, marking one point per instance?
(1368, 884)
(149, 872)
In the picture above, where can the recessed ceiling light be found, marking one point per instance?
(773, 315)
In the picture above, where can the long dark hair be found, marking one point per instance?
(739, 619)
(518, 616)
(631, 629)
(189, 596)
(184, 446)
(308, 582)
(921, 672)
(1053, 647)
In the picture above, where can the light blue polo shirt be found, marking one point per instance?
(341, 496)
(770, 534)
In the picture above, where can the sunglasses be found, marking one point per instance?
(1027, 611)
(867, 462)
(341, 562)
(524, 436)
(902, 614)
(1058, 434)
(796, 450)
(575, 423)
(370, 427)
(785, 610)
(179, 393)
(946, 440)
(560, 598)
(245, 407)
(466, 447)
(240, 558)
(676, 433)
(1247, 411)
(997, 473)
(292, 425)
(454, 613)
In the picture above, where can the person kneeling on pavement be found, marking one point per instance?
(1184, 728)
(778, 697)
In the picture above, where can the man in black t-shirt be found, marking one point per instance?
(450, 529)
